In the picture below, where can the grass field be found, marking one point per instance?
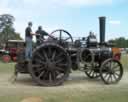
(124, 61)
(77, 91)
(79, 96)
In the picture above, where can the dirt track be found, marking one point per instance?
(77, 81)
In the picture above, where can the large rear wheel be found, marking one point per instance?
(50, 65)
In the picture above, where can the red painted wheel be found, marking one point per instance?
(6, 58)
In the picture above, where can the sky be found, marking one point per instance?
(78, 17)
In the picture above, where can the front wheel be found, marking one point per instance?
(92, 71)
(111, 71)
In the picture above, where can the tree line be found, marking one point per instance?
(7, 31)
(120, 42)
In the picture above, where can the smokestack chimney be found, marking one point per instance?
(102, 22)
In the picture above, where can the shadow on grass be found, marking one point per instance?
(74, 79)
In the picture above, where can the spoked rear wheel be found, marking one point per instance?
(111, 71)
(50, 65)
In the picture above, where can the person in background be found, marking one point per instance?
(40, 33)
(91, 35)
(91, 40)
(28, 39)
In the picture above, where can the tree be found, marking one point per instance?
(17, 36)
(7, 32)
(120, 42)
(6, 20)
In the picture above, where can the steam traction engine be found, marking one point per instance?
(54, 59)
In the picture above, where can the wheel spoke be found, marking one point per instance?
(45, 55)
(50, 77)
(45, 74)
(110, 65)
(116, 70)
(57, 72)
(106, 75)
(53, 75)
(60, 54)
(115, 67)
(67, 39)
(114, 76)
(39, 69)
(62, 65)
(97, 74)
(53, 55)
(108, 78)
(60, 35)
(59, 60)
(39, 62)
(93, 74)
(49, 51)
(89, 72)
(40, 56)
(59, 69)
(41, 74)
(117, 74)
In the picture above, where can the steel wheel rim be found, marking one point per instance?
(53, 67)
(111, 71)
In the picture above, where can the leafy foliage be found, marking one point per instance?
(120, 42)
(6, 20)
(7, 32)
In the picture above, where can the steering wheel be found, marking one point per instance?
(61, 37)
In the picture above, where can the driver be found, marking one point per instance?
(40, 34)
(91, 39)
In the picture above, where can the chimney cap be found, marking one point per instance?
(102, 17)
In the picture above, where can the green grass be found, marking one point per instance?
(124, 61)
(6, 67)
(79, 96)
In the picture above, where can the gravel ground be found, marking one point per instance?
(77, 81)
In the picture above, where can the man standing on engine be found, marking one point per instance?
(40, 35)
(28, 39)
